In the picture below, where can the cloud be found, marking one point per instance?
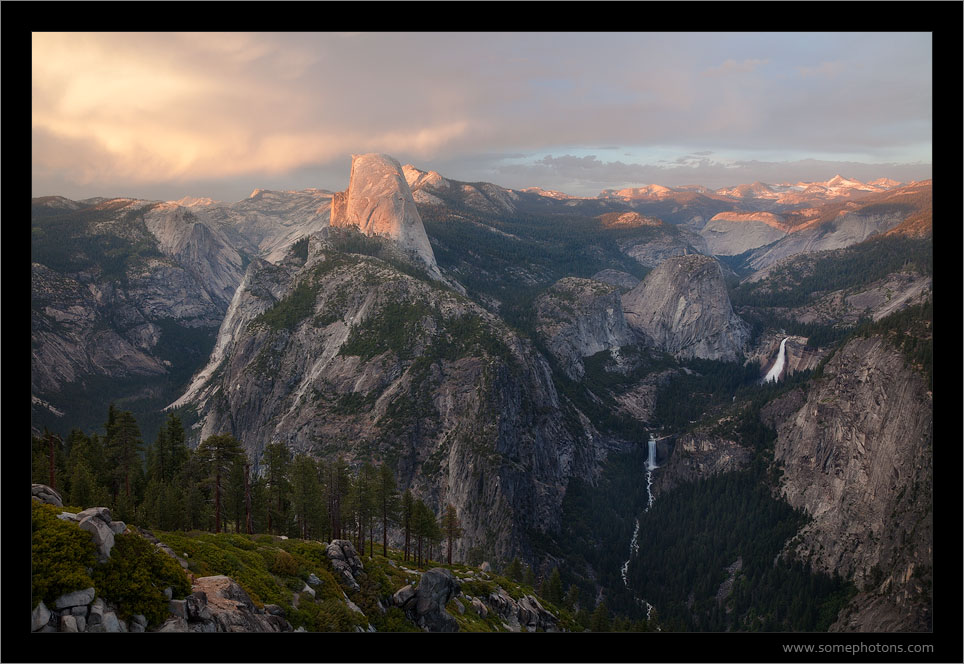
(181, 108)
(824, 69)
(733, 67)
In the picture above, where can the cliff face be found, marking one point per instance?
(698, 455)
(856, 451)
(120, 292)
(847, 229)
(346, 355)
(578, 318)
(729, 233)
(661, 242)
(682, 307)
(267, 223)
(378, 201)
(798, 356)
(200, 249)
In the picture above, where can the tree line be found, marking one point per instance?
(169, 486)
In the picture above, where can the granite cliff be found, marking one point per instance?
(379, 201)
(856, 453)
(580, 317)
(682, 307)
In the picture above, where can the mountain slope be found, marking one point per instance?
(344, 354)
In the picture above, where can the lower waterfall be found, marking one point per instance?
(634, 543)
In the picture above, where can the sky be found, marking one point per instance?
(162, 115)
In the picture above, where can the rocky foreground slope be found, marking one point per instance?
(273, 583)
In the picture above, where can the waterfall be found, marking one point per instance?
(634, 544)
(777, 368)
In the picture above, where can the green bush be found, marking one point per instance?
(212, 554)
(330, 615)
(135, 577)
(284, 564)
(60, 554)
(394, 620)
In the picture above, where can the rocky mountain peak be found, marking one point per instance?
(418, 179)
(683, 308)
(379, 201)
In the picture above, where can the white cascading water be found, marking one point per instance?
(634, 544)
(777, 368)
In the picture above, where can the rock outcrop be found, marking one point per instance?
(200, 248)
(346, 562)
(682, 307)
(426, 606)
(430, 188)
(525, 613)
(847, 229)
(219, 604)
(379, 201)
(856, 451)
(578, 318)
(45, 494)
(623, 280)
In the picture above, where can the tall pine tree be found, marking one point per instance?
(218, 455)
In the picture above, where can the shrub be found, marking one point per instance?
(284, 564)
(135, 577)
(60, 554)
(394, 620)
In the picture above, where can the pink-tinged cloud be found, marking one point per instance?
(181, 108)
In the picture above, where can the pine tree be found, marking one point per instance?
(552, 587)
(48, 461)
(249, 525)
(176, 447)
(387, 498)
(451, 527)
(572, 597)
(276, 460)
(234, 496)
(157, 463)
(424, 526)
(600, 621)
(123, 446)
(514, 570)
(363, 500)
(305, 493)
(218, 455)
(529, 577)
(339, 487)
(408, 513)
(85, 491)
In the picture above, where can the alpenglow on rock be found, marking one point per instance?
(682, 307)
(379, 201)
